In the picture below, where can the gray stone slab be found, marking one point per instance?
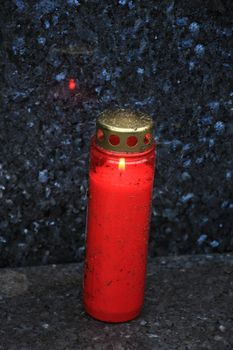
(188, 305)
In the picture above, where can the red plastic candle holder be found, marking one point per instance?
(122, 162)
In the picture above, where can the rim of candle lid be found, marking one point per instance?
(124, 130)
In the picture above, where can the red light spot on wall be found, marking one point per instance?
(72, 84)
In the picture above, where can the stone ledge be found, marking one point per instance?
(188, 305)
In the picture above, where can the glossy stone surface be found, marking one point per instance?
(172, 60)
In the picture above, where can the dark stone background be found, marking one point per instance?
(171, 59)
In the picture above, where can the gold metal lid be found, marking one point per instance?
(124, 130)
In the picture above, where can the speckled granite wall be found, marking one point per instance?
(171, 59)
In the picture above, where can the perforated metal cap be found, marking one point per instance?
(124, 130)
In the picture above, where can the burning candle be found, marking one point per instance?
(122, 160)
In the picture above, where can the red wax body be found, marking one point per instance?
(119, 208)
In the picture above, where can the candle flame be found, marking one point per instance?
(121, 165)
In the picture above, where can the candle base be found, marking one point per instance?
(112, 317)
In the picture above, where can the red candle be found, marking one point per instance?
(120, 190)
